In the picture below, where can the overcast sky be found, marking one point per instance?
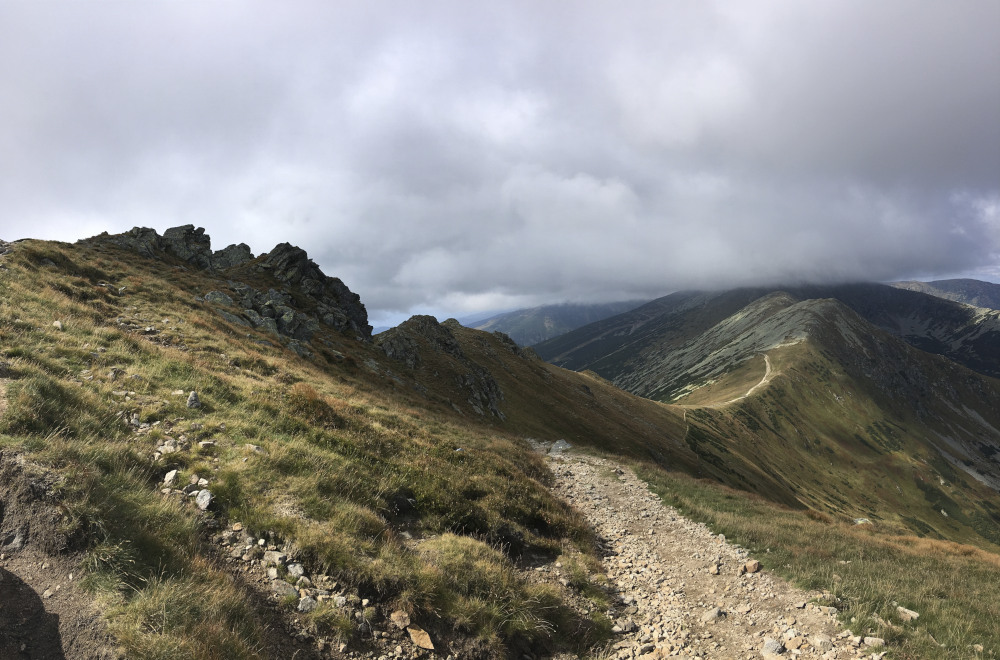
(459, 156)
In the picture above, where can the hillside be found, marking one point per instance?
(531, 326)
(970, 292)
(966, 335)
(228, 464)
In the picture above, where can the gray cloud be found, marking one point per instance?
(452, 157)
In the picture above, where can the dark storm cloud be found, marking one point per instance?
(452, 157)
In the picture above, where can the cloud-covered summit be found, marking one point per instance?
(460, 156)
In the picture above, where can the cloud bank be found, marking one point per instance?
(445, 156)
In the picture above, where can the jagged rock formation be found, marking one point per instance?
(304, 299)
(405, 342)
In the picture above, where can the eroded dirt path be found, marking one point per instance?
(763, 381)
(688, 592)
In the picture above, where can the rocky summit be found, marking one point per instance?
(321, 299)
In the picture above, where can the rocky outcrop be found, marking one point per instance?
(189, 244)
(305, 300)
(404, 342)
(186, 243)
(335, 304)
(231, 256)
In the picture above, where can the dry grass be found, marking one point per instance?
(345, 461)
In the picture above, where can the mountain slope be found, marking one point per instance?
(969, 292)
(811, 393)
(612, 347)
(531, 326)
(395, 472)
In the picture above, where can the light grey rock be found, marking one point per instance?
(711, 615)
(274, 558)
(307, 604)
(821, 642)
(283, 589)
(204, 499)
(874, 641)
(907, 615)
(296, 570)
(170, 478)
(772, 646)
(219, 298)
(193, 400)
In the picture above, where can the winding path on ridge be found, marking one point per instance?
(687, 593)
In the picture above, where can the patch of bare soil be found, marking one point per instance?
(43, 613)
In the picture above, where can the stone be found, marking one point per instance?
(752, 566)
(283, 589)
(821, 642)
(420, 638)
(272, 573)
(307, 604)
(713, 569)
(303, 583)
(772, 646)
(189, 244)
(296, 570)
(203, 499)
(232, 255)
(711, 615)
(907, 615)
(193, 401)
(874, 641)
(57, 325)
(400, 619)
(170, 478)
(274, 558)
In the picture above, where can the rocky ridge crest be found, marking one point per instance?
(412, 340)
(302, 301)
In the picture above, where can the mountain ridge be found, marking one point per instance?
(205, 460)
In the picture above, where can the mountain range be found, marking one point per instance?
(531, 326)
(970, 292)
(236, 467)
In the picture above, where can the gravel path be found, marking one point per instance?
(688, 593)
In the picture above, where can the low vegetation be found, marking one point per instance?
(414, 509)
(870, 571)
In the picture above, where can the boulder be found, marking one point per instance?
(203, 499)
(232, 255)
(218, 298)
(189, 244)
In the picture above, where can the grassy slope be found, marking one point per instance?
(344, 460)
